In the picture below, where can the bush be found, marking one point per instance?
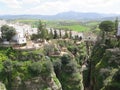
(43, 68)
(47, 68)
(57, 66)
(116, 77)
(65, 59)
(73, 49)
(35, 69)
(34, 37)
(71, 67)
(8, 67)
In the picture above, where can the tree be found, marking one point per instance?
(55, 34)
(76, 37)
(106, 26)
(34, 37)
(40, 26)
(42, 31)
(65, 59)
(44, 34)
(35, 69)
(73, 49)
(60, 33)
(7, 69)
(7, 32)
(51, 35)
(70, 34)
(66, 34)
(57, 66)
(116, 25)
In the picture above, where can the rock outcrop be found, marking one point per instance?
(2, 86)
(40, 83)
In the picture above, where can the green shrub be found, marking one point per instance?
(35, 69)
(47, 68)
(57, 66)
(71, 67)
(65, 59)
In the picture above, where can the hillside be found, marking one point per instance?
(63, 16)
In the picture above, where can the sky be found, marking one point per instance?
(52, 7)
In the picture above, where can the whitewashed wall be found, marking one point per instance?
(118, 32)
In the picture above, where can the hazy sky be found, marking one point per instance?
(50, 7)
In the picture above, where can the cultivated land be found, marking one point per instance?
(66, 25)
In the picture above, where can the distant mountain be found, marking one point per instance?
(62, 16)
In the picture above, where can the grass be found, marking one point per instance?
(92, 23)
(56, 24)
(78, 28)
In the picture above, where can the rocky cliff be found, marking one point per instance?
(2, 86)
(38, 83)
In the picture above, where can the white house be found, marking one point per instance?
(20, 35)
(23, 32)
(74, 33)
(32, 31)
(19, 38)
(2, 22)
(0, 33)
(118, 32)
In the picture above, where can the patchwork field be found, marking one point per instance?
(67, 25)
(78, 28)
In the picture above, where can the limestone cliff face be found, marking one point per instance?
(2, 86)
(39, 83)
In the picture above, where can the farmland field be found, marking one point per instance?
(67, 25)
(79, 28)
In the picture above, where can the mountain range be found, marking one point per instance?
(71, 15)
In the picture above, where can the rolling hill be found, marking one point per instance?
(71, 15)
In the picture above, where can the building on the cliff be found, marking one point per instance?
(118, 31)
(19, 38)
(0, 34)
(23, 32)
(2, 22)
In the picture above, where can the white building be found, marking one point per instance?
(118, 32)
(74, 33)
(2, 22)
(22, 32)
(19, 38)
(32, 31)
(0, 33)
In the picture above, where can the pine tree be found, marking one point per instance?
(40, 26)
(66, 34)
(70, 34)
(116, 25)
(60, 33)
(55, 34)
(51, 34)
(42, 31)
